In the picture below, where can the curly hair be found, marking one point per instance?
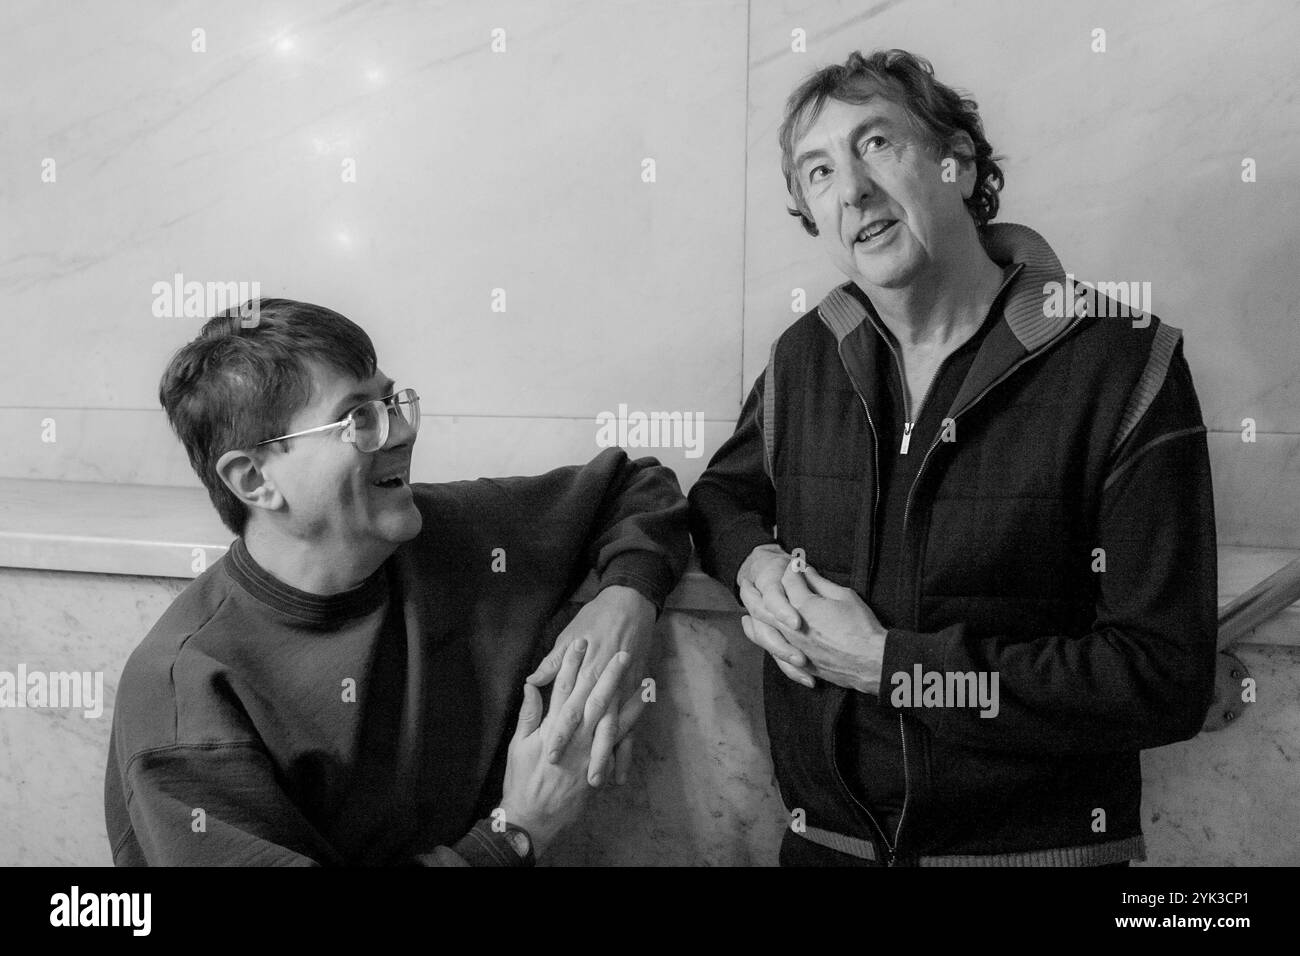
(937, 110)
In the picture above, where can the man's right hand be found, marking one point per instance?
(542, 796)
(764, 597)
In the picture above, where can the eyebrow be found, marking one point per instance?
(870, 122)
(351, 401)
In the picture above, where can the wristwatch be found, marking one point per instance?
(520, 842)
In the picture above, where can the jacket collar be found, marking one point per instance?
(1024, 327)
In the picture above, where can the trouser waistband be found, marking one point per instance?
(1093, 854)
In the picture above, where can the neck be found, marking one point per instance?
(316, 567)
(945, 306)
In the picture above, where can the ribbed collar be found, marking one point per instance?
(1006, 244)
(1009, 274)
(313, 609)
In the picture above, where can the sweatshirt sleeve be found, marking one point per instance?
(642, 538)
(220, 805)
(625, 519)
(1143, 676)
(733, 504)
(481, 846)
(215, 805)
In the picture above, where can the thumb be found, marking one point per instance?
(548, 668)
(823, 587)
(530, 714)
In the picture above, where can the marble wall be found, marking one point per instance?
(519, 168)
(1128, 161)
(386, 160)
(701, 790)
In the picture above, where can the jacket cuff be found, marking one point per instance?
(735, 544)
(644, 572)
(904, 651)
(482, 846)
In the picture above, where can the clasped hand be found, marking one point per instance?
(617, 620)
(812, 627)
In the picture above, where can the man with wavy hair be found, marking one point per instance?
(973, 532)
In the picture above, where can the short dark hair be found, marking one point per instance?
(937, 110)
(239, 384)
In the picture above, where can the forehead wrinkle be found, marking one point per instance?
(813, 111)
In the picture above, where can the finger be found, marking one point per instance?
(636, 673)
(795, 673)
(603, 698)
(753, 601)
(599, 656)
(550, 665)
(796, 586)
(530, 714)
(567, 676)
(619, 738)
(630, 714)
(571, 716)
(750, 597)
(799, 640)
(602, 748)
(623, 760)
(777, 602)
(822, 586)
(773, 641)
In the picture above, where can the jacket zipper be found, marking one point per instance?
(909, 422)
(907, 793)
(907, 507)
(862, 806)
(871, 552)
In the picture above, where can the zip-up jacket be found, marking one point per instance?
(1059, 534)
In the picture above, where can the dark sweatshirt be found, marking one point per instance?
(258, 724)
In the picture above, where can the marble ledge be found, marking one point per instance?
(161, 531)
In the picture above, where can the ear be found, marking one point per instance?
(962, 148)
(243, 475)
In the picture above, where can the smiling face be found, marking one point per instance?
(875, 190)
(335, 496)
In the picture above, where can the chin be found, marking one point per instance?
(893, 275)
(402, 526)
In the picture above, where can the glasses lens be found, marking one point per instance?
(408, 407)
(370, 423)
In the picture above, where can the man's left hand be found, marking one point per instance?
(840, 635)
(617, 619)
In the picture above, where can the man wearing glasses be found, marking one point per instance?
(341, 688)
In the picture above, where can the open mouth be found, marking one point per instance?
(874, 230)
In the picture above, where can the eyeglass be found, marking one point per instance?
(366, 426)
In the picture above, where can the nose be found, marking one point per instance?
(400, 432)
(856, 184)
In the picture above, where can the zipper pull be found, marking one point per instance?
(907, 437)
